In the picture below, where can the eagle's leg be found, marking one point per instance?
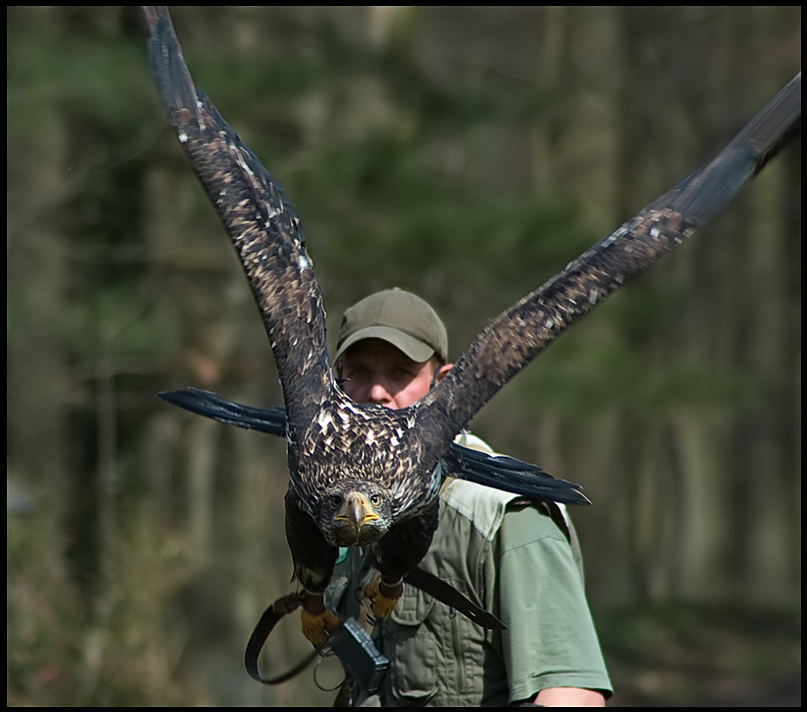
(316, 621)
(314, 560)
(398, 552)
(382, 597)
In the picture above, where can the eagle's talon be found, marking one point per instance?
(381, 605)
(318, 626)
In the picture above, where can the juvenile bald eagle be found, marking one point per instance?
(362, 475)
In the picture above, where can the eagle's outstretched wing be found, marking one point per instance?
(212, 405)
(499, 471)
(264, 228)
(367, 475)
(518, 335)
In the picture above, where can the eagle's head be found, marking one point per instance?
(355, 513)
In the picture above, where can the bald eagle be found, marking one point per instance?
(365, 475)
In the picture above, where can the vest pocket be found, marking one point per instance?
(411, 647)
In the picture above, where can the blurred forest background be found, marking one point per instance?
(465, 154)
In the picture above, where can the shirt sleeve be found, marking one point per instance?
(550, 639)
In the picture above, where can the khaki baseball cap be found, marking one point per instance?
(401, 318)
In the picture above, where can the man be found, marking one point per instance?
(508, 555)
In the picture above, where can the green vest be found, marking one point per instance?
(511, 558)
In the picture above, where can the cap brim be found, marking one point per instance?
(412, 347)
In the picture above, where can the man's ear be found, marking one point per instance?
(442, 372)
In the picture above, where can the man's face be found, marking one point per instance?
(374, 371)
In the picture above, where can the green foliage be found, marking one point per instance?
(113, 322)
(679, 653)
(94, 81)
(581, 377)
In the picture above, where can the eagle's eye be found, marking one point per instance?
(335, 500)
(375, 500)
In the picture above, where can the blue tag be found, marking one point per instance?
(342, 555)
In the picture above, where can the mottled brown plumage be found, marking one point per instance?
(368, 475)
(334, 446)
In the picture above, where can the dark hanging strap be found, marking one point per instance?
(270, 618)
(446, 593)
(426, 582)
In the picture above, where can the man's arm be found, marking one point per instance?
(569, 697)
(551, 642)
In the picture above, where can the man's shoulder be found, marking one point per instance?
(488, 508)
(473, 442)
(484, 506)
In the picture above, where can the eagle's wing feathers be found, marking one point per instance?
(518, 335)
(500, 471)
(264, 229)
(314, 558)
(401, 549)
(511, 475)
(213, 406)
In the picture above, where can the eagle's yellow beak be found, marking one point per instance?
(356, 510)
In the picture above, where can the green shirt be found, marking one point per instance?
(511, 558)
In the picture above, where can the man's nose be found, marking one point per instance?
(379, 394)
